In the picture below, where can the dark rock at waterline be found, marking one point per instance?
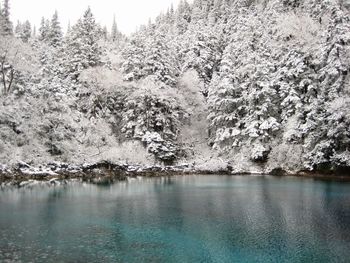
(106, 172)
(278, 172)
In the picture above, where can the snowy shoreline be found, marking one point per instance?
(106, 172)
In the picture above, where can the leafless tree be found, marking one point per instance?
(15, 57)
(7, 72)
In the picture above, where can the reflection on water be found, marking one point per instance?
(179, 219)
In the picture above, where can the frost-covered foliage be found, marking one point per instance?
(140, 111)
(18, 65)
(150, 55)
(261, 83)
(203, 54)
(23, 31)
(81, 47)
(50, 32)
(6, 26)
(271, 70)
(283, 65)
(155, 120)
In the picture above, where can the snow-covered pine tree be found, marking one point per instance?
(169, 17)
(68, 27)
(159, 60)
(243, 100)
(134, 55)
(44, 29)
(2, 23)
(327, 138)
(104, 33)
(26, 31)
(182, 17)
(55, 31)
(114, 31)
(34, 32)
(23, 31)
(18, 28)
(215, 12)
(198, 11)
(203, 54)
(225, 10)
(228, 106)
(148, 54)
(7, 24)
(81, 46)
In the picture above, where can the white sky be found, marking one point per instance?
(129, 13)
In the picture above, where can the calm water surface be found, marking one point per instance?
(178, 219)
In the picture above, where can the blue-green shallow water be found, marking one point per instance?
(179, 219)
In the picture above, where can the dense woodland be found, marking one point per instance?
(250, 83)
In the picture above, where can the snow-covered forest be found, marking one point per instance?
(253, 84)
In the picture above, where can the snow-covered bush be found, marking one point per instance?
(164, 150)
(18, 64)
(259, 153)
(154, 119)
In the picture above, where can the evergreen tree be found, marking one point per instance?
(114, 32)
(215, 12)
(170, 15)
(44, 30)
(134, 56)
(81, 45)
(34, 32)
(105, 33)
(228, 105)
(2, 22)
(159, 60)
(225, 10)
(324, 118)
(68, 27)
(183, 17)
(7, 24)
(198, 11)
(18, 28)
(26, 31)
(203, 54)
(23, 31)
(55, 31)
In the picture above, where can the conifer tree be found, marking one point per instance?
(105, 33)
(68, 27)
(55, 31)
(7, 24)
(23, 31)
(198, 11)
(134, 56)
(18, 28)
(44, 29)
(34, 32)
(183, 16)
(26, 31)
(2, 22)
(203, 54)
(170, 15)
(114, 32)
(81, 45)
(159, 60)
(215, 12)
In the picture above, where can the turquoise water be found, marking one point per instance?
(178, 219)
